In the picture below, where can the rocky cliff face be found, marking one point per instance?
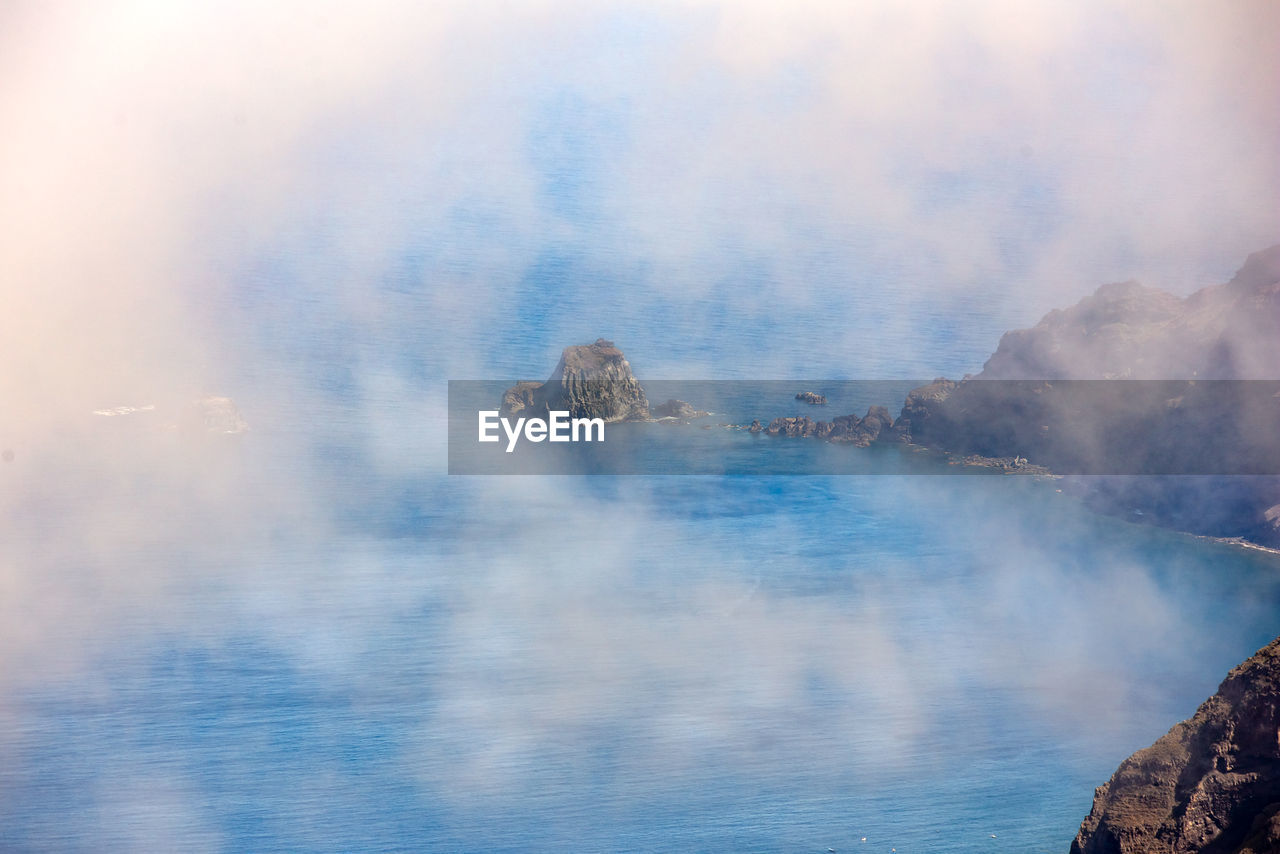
(590, 381)
(1212, 784)
(1128, 331)
(1176, 423)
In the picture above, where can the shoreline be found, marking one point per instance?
(1019, 466)
(1238, 542)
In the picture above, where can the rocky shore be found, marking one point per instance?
(1048, 401)
(1197, 396)
(1212, 784)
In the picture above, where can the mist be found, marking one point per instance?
(326, 212)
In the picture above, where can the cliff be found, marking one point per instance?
(1046, 395)
(589, 381)
(1212, 784)
(1128, 331)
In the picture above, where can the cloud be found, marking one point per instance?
(326, 210)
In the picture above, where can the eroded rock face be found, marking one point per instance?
(847, 429)
(1128, 331)
(811, 397)
(519, 399)
(1179, 425)
(922, 405)
(589, 381)
(1212, 784)
(801, 427)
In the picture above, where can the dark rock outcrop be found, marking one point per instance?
(1212, 784)
(861, 432)
(801, 427)
(811, 397)
(918, 421)
(519, 399)
(590, 381)
(847, 429)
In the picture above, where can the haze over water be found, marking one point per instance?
(309, 638)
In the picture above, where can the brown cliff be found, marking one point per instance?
(1212, 784)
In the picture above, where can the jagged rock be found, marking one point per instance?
(848, 429)
(921, 405)
(876, 423)
(844, 428)
(1175, 423)
(677, 409)
(589, 381)
(520, 397)
(1128, 331)
(756, 426)
(1212, 784)
(801, 427)
(811, 397)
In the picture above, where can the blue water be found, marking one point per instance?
(747, 663)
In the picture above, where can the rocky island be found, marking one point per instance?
(589, 381)
(850, 429)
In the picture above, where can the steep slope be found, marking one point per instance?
(1212, 784)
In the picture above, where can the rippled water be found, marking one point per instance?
(617, 663)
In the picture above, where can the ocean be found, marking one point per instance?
(392, 659)
(311, 637)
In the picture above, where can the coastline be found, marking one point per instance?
(1238, 542)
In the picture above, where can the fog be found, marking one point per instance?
(325, 212)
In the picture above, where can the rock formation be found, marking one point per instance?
(849, 429)
(801, 427)
(811, 397)
(1038, 397)
(1128, 331)
(678, 409)
(922, 405)
(590, 381)
(1212, 784)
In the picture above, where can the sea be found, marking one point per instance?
(312, 638)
